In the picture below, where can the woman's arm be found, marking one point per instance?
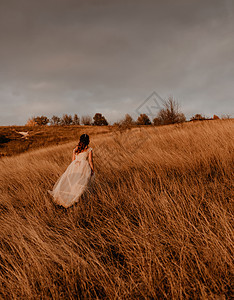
(91, 161)
(73, 155)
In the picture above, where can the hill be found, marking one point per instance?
(12, 142)
(157, 224)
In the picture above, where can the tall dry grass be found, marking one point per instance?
(157, 223)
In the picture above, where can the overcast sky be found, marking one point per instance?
(73, 56)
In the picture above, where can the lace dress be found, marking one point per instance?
(74, 181)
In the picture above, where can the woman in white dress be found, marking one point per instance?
(77, 177)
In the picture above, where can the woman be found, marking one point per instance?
(77, 177)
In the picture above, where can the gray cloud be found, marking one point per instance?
(108, 56)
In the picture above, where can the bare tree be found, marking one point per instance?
(127, 121)
(66, 119)
(76, 120)
(86, 120)
(226, 116)
(170, 114)
(55, 120)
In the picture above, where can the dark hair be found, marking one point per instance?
(84, 141)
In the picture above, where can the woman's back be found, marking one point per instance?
(82, 154)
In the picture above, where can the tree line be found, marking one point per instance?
(66, 119)
(169, 114)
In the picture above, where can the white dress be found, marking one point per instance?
(74, 181)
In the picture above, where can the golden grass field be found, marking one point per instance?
(157, 223)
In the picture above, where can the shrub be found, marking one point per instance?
(99, 120)
(143, 119)
(42, 120)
